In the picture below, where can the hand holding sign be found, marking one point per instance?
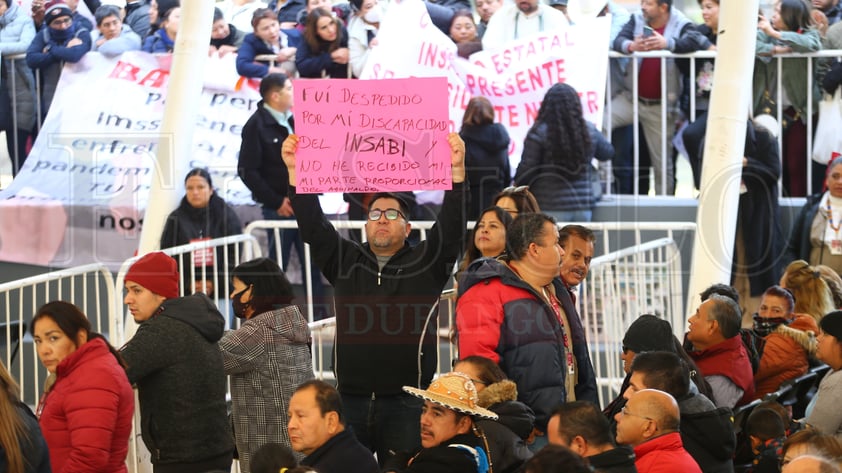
(370, 136)
(288, 149)
(457, 157)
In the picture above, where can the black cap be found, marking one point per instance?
(649, 333)
(831, 324)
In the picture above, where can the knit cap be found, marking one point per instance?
(156, 272)
(649, 333)
(831, 324)
(56, 9)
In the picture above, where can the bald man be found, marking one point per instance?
(810, 464)
(649, 423)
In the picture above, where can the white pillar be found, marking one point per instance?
(175, 145)
(716, 219)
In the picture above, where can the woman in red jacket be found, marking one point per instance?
(86, 411)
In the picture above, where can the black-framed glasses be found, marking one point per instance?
(625, 411)
(391, 214)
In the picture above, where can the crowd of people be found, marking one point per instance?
(521, 397)
(523, 394)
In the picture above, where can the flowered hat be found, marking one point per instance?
(454, 391)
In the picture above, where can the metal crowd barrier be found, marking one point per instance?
(90, 287)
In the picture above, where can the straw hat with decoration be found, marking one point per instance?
(454, 391)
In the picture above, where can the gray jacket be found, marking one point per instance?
(16, 33)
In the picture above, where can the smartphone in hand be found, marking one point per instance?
(648, 32)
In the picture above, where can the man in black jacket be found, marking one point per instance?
(176, 364)
(386, 293)
(317, 429)
(581, 427)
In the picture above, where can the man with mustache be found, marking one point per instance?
(519, 314)
(578, 245)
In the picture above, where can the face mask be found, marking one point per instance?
(373, 15)
(764, 326)
(240, 307)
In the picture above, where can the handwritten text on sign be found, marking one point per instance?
(369, 136)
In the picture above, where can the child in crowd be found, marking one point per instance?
(767, 434)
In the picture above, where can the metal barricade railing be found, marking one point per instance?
(90, 287)
(667, 132)
(232, 249)
(622, 286)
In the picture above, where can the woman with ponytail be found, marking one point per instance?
(86, 412)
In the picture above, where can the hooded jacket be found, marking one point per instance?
(16, 33)
(786, 354)
(707, 433)
(494, 305)
(486, 163)
(507, 435)
(176, 364)
(87, 415)
(49, 51)
(267, 358)
(385, 330)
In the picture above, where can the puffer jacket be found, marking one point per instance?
(176, 364)
(493, 306)
(507, 435)
(16, 33)
(47, 53)
(785, 354)
(86, 417)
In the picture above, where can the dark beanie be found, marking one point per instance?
(156, 272)
(649, 333)
(56, 10)
(831, 324)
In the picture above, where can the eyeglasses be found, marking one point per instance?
(625, 411)
(391, 214)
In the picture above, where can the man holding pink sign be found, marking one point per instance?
(386, 294)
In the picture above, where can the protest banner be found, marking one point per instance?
(371, 136)
(81, 195)
(513, 78)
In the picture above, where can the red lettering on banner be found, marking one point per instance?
(531, 111)
(460, 96)
(432, 55)
(380, 73)
(124, 70)
(512, 115)
(424, 19)
(155, 78)
(591, 103)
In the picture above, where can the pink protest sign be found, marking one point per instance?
(372, 135)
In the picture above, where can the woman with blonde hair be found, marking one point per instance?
(22, 448)
(834, 283)
(812, 296)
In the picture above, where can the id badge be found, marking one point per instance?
(836, 247)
